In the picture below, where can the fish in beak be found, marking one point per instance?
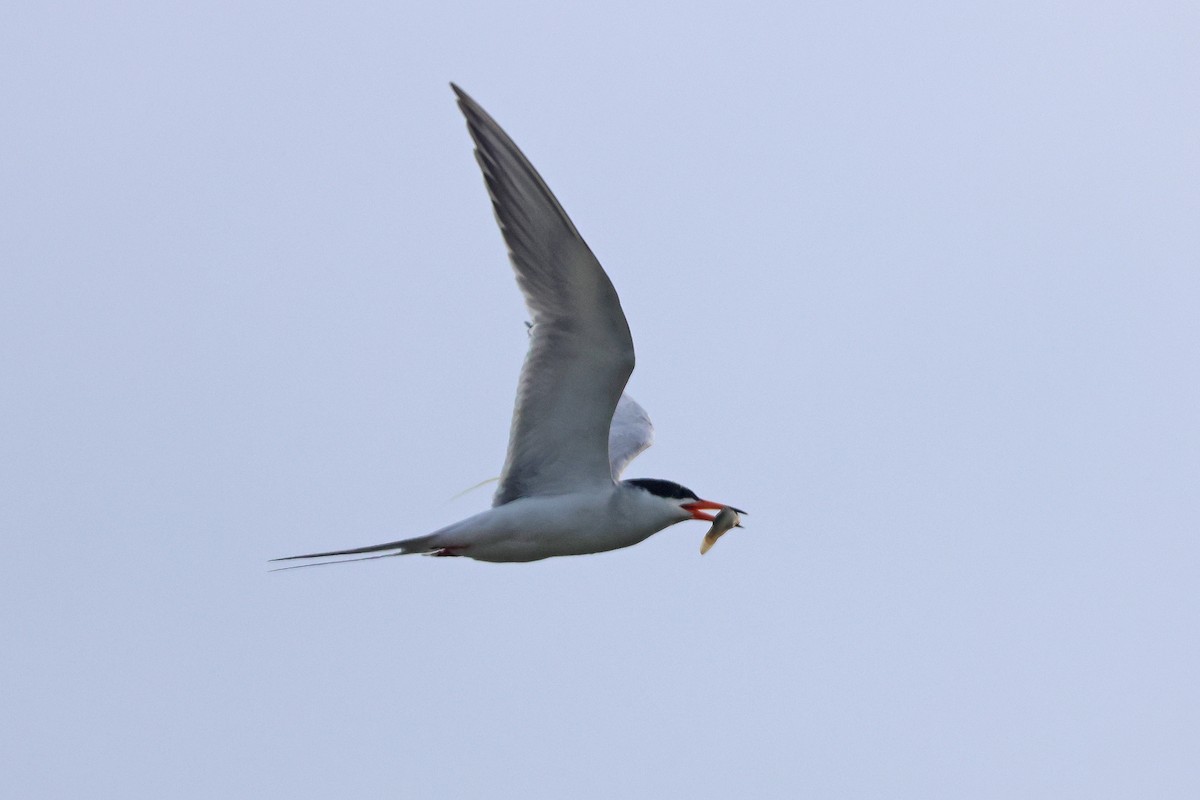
(726, 519)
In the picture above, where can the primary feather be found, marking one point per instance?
(580, 350)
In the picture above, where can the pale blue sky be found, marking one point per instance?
(915, 284)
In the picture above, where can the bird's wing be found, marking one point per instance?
(631, 433)
(580, 351)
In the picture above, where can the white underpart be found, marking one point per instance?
(534, 528)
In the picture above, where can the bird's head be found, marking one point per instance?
(683, 497)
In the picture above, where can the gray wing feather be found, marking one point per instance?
(631, 433)
(580, 351)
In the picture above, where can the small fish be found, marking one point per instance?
(726, 519)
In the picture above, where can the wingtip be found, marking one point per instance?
(460, 95)
(467, 105)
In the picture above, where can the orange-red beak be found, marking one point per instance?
(697, 513)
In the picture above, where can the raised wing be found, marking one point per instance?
(580, 351)
(631, 433)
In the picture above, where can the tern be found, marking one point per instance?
(574, 431)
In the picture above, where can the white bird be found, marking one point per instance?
(573, 430)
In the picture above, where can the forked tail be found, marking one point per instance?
(403, 547)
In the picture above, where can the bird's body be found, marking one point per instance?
(573, 430)
(533, 528)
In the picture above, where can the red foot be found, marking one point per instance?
(447, 552)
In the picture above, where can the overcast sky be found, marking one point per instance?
(916, 284)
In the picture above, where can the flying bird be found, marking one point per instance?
(573, 429)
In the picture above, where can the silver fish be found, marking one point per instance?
(726, 519)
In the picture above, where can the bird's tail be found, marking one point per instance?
(403, 547)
